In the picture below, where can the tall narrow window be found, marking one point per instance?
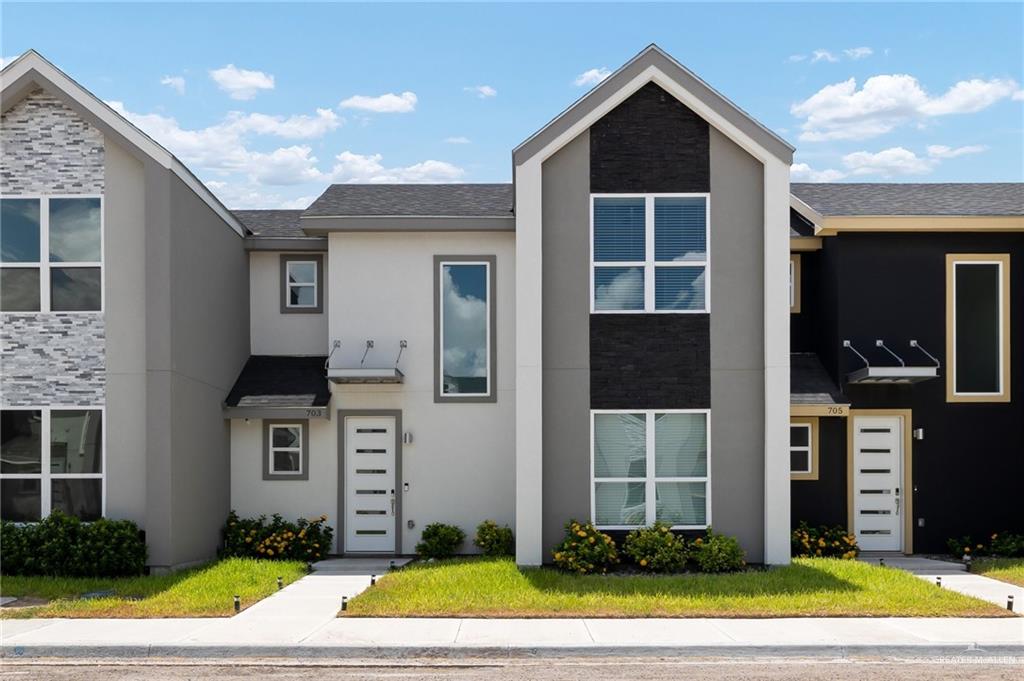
(51, 254)
(978, 327)
(649, 253)
(302, 283)
(649, 466)
(465, 336)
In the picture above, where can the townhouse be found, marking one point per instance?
(610, 337)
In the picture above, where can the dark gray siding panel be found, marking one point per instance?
(649, 361)
(737, 344)
(566, 338)
(823, 501)
(650, 143)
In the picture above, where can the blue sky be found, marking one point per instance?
(269, 103)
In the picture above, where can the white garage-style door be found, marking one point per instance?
(877, 482)
(370, 484)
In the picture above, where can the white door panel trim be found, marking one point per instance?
(369, 481)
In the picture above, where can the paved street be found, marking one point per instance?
(548, 670)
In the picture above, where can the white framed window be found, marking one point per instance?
(649, 465)
(464, 317)
(52, 458)
(302, 283)
(286, 456)
(978, 327)
(803, 448)
(51, 253)
(649, 253)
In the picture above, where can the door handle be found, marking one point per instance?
(897, 501)
(392, 502)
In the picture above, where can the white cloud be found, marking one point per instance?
(457, 140)
(350, 167)
(298, 126)
(858, 52)
(801, 172)
(284, 166)
(794, 58)
(591, 77)
(482, 91)
(176, 83)
(942, 151)
(298, 203)
(887, 163)
(387, 103)
(823, 55)
(1018, 96)
(239, 194)
(841, 111)
(241, 83)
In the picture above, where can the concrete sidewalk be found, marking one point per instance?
(455, 638)
(955, 577)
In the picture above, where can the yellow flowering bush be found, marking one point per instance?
(823, 542)
(1003, 544)
(585, 550)
(305, 539)
(656, 548)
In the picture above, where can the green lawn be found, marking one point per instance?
(1005, 569)
(206, 591)
(807, 588)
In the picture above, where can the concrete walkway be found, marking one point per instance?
(955, 577)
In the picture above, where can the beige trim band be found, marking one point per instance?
(832, 225)
(798, 244)
(819, 410)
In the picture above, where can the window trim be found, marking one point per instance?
(45, 476)
(44, 265)
(268, 449)
(490, 261)
(812, 424)
(651, 479)
(649, 264)
(1002, 260)
(795, 267)
(318, 285)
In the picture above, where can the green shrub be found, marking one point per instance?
(1002, 544)
(585, 550)
(307, 540)
(656, 549)
(440, 541)
(494, 540)
(718, 553)
(64, 546)
(823, 542)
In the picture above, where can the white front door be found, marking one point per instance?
(370, 484)
(877, 482)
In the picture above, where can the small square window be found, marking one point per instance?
(302, 284)
(75, 230)
(19, 230)
(803, 449)
(19, 289)
(75, 289)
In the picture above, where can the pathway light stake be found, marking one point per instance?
(967, 562)
(391, 565)
(881, 562)
(344, 603)
(238, 604)
(309, 568)
(373, 579)
(280, 583)
(1009, 602)
(938, 582)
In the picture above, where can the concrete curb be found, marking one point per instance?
(830, 651)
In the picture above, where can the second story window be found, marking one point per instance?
(649, 253)
(464, 329)
(51, 254)
(301, 283)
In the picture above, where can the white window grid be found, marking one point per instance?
(648, 264)
(1002, 326)
(801, 448)
(651, 478)
(44, 265)
(296, 449)
(487, 315)
(46, 476)
(314, 285)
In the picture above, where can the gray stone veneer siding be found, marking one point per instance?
(52, 359)
(49, 149)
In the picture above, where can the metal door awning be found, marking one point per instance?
(893, 373)
(363, 374)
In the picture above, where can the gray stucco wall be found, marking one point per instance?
(565, 196)
(737, 344)
(124, 219)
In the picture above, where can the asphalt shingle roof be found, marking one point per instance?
(280, 224)
(809, 383)
(423, 200)
(940, 198)
(276, 381)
